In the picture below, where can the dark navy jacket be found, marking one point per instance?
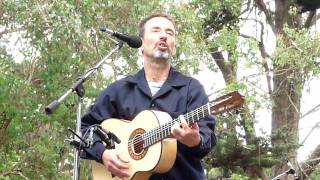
(125, 98)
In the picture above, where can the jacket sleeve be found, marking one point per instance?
(104, 108)
(196, 98)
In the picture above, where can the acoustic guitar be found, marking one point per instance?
(145, 140)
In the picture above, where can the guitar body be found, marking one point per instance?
(157, 158)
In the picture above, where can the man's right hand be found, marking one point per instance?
(115, 164)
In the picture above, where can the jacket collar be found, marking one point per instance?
(175, 80)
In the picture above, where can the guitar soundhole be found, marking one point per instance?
(135, 145)
(138, 145)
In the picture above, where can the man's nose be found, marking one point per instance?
(163, 37)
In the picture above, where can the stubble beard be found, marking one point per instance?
(162, 56)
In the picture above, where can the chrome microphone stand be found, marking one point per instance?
(79, 89)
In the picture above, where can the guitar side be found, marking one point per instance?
(158, 158)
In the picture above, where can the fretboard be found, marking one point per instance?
(163, 131)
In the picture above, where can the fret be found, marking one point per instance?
(165, 130)
(150, 138)
(202, 111)
(186, 118)
(189, 119)
(153, 137)
(193, 115)
(160, 133)
(169, 128)
(147, 139)
(198, 118)
(157, 134)
(143, 141)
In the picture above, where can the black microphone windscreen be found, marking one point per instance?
(135, 42)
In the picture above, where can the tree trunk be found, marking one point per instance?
(286, 93)
(285, 115)
(228, 71)
(3, 127)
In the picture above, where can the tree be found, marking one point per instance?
(287, 69)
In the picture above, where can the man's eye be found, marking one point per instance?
(170, 33)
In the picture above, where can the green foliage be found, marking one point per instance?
(63, 40)
(300, 48)
(315, 174)
(218, 14)
(239, 177)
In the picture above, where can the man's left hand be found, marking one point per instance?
(188, 135)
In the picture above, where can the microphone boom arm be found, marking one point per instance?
(76, 86)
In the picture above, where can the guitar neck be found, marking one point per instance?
(164, 130)
(220, 105)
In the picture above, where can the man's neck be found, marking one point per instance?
(156, 70)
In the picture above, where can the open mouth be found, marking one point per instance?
(162, 46)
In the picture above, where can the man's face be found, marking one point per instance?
(159, 40)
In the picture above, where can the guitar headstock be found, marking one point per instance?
(226, 102)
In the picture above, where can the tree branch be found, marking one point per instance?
(262, 7)
(8, 31)
(1, 9)
(312, 19)
(263, 52)
(314, 109)
(313, 128)
(225, 68)
(308, 22)
(14, 173)
(313, 160)
(247, 8)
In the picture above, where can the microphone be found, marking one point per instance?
(107, 137)
(132, 41)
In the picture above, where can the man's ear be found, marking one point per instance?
(174, 51)
(141, 48)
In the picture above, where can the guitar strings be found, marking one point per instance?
(153, 134)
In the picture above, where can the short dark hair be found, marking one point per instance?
(146, 19)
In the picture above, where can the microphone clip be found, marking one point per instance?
(107, 137)
(80, 143)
